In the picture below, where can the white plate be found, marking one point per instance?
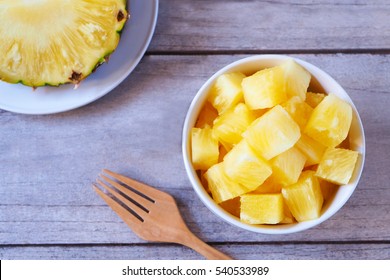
(136, 37)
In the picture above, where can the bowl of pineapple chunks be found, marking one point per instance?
(273, 144)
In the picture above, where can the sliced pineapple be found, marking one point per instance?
(221, 186)
(226, 91)
(304, 198)
(287, 166)
(262, 208)
(337, 165)
(269, 186)
(204, 147)
(265, 88)
(206, 116)
(313, 99)
(299, 110)
(46, 42)
(330, 121)
(273, 133)
(297, 79)
(243, 166)
(229, 126)
(312, 149)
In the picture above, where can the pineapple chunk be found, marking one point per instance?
(297, 79)
(312, 150)
(205, 148)
(206, 116)
(288, 217)
(313, 99)
(262, 208)
(243, 166)
(287, 166)
(330, 121)
(304, 198)
(273, 133)
(265, 88)
(221, 186)
(269, 186)
(299, 110)
(226, 92)
(328, 189)
(232, 206)
(229, 126)
(337, 165)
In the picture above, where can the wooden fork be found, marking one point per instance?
(152, 214)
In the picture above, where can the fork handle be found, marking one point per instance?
(192, 241)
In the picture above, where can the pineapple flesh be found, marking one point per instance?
(262, 208)
(304, 198)
(265, 88)
(52, 42)
(226, 91)
(273, 133)
(205, 149)
(297, 79)
(330, 121)
(229, 126)
(337, 165)
(243, 166)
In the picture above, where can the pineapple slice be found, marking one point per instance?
(273, 133)
(206, 116)
(221, 186)
(297, 79)
(287, 166)
(229, 126)
(299, 110)
(337, 165)
(54, 42)
(243, 166)
(304, 198)
(265, 88)
(262, 208)
(226, 91)
(312, 150)
(205, 148)
(313, 99)
(330, 121)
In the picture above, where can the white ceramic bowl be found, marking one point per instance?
(320, 82)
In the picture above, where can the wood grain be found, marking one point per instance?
(49, 162)
(272, 26)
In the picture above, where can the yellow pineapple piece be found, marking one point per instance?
(222, 153)
(226, 91)
(304, 198)
(287, 166)
(269, 186)
(330, 121)
(288, 217)
(337, 165)
(313, 99)
(311, 149)
(232, 206)
(328, 189)
(205, 149)
(221, 186)
(243, 166)
(229, 126)
(206, 116)
(297, 79)
(265, 88)
(273, 133)
(299, 110)
(262, 208)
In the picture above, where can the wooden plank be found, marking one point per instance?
(269, 26)
(49, 162)
(281, 251)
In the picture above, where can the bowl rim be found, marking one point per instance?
(201, 97)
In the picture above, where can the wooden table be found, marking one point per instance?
(48, 209)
